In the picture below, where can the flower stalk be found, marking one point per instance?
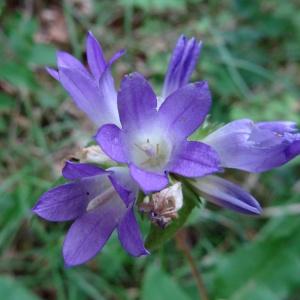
(182, 245)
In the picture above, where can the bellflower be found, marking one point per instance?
(255, 147)
(182, 63)
(241, 144)
(93, 90)
(154, 142)
(149, 136)
(185, 106)
(99, 201)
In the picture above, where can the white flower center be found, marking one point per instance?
(150, 152)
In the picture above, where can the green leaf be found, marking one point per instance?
(7, 102)
(159, 285)
(264, 269)
(42, 54)
(159, 5)
(157, 236)
(13, 290)
(18, 75)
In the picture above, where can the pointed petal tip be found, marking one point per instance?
(121, 52)
(70, 263)
(141, 253)
(182, 37)
(257, 210)
(53, 73)
(133, 75)
(67, 60)
(116, 56)
(144, 252)
(201, 84)
(34, 209)
(130, 236)
(130, 78)
(40, 212)
(67, 266)
(90, 34)
(60, 53)
(90, 37)
(192, 40)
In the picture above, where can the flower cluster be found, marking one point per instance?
(147, 139)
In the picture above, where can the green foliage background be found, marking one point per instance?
(251, 59)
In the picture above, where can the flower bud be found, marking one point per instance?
(162, 207)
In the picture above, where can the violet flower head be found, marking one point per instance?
(185, 104)
(255, 147)
(149, 137)
(99, 201)
(154, 142)
(93, 90)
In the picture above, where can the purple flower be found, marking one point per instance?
(227, 194)
(255, 147)
(99, 201)
(215, 189)
(181, 65)
(92, 91)
(154, 142)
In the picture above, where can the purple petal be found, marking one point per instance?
(185, 110)
(123, 184)
(86, 95)
(148, 181)
(89, 233)
(53, 73)
(66, 60)
(63, 203)
(116, 56)
(109, 94)
(111, 140)
(194, 159)
(228, 195)
(243, 145)
(278, 126)
(130, 236)
(69, 201)
(181, 65)
(74, 170)
(95, 56)
(294, 149)
(136, 102)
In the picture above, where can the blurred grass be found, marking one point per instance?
(251, 59)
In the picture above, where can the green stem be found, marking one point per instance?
(182, 245)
